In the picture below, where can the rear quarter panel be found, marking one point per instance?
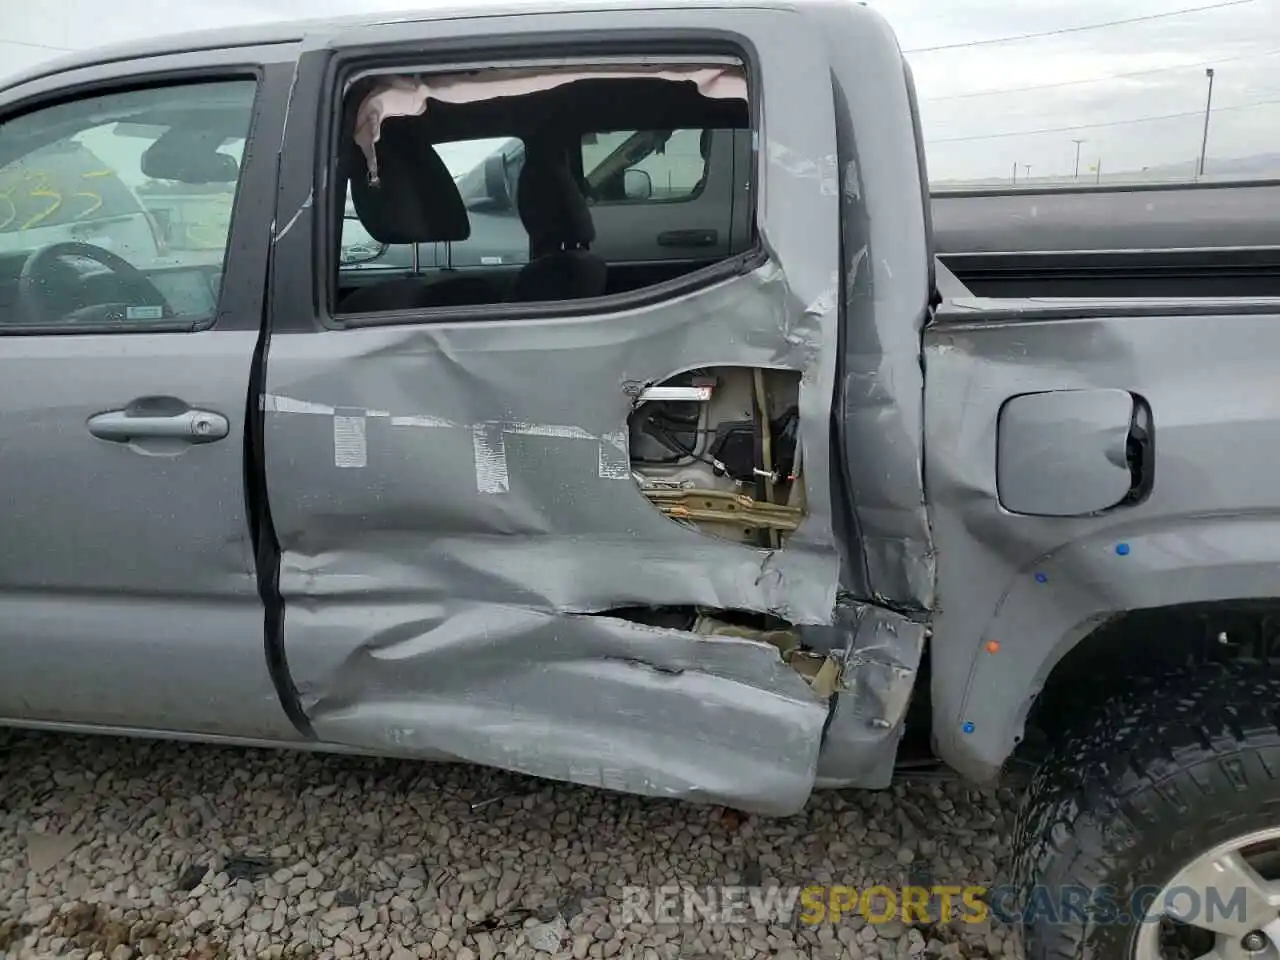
(1209, 530)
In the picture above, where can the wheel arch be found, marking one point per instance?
(1084, 611)
(1149, 643)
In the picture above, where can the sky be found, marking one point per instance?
(1134, 93)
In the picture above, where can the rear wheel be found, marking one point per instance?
(1154, 832)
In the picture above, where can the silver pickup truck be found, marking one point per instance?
(719, 490)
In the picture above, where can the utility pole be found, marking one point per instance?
(1208, 109)
(1015, 173)
(1076, 176)
(1027, 168)
(1099, 169)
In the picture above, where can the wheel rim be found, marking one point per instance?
(1223, 905)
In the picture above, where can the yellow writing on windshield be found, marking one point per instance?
(95, 203)
(43, 191)
(38, 186)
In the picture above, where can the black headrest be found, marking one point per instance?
(415, 200)
(552, 207)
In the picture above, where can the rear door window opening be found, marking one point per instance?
(628, 175)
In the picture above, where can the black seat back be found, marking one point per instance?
(557, 217)
(414, 201)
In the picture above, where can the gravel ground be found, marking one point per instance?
(122, 850)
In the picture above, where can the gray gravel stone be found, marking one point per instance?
(236, 909)
(292, 856)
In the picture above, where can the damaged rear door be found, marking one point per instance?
(486, 548)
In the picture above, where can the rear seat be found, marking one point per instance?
(415, 201)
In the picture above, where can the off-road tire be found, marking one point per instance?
(1175, 767)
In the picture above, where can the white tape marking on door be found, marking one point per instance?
(349, 446)
(274, 403)
(615, 461)
(491, 459)
(350, 439)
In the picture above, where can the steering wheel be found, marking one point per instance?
(38, 282)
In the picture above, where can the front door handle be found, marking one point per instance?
(193, 426)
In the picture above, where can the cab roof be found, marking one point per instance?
(296, 31)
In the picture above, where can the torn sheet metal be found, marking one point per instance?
(590, 700)
(879, 660)
(402, 96)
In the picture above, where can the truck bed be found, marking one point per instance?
(1199, 240)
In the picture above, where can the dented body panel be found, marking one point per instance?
(594, 700)
(880, 659)
(456, 515)
(886, 285)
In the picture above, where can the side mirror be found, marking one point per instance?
(636, 184)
